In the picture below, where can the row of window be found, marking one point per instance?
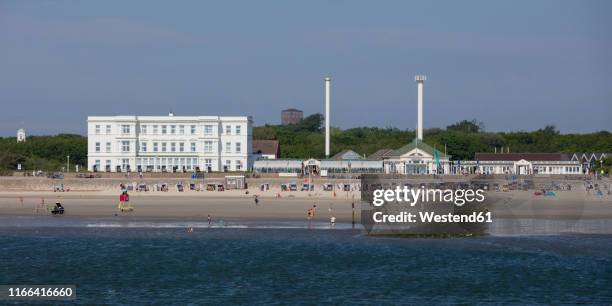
(172, 129)
(171, 147)
(159, 163)
(556, 170)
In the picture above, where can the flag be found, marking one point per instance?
(436, 156)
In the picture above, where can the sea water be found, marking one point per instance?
(160, 262)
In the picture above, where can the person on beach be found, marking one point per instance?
(256, 200)
(121, 200)
(332, 221)
(209, 219)
(124, 198)
(309, 214)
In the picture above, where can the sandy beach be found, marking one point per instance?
(98, 198)
(235, 204)
(188, 205)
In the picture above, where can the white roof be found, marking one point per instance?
(169, 118)
(278, 163)
(353, 163)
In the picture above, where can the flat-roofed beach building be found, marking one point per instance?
(169, 143)
(317, 167)
(521, 163)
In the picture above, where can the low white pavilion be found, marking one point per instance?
(416, 157)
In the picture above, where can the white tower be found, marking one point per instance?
(420, 79)
(21, 135)
(327, 114)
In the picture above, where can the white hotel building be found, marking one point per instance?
(169, 143)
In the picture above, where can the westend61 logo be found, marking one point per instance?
(394, 204)
(411, 197)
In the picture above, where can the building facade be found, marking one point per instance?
(521, 164)
(590, 160)
(291, 116)
(416, 157)
(169, 143)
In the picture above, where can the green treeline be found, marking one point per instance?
(43, 152)
(306, 139)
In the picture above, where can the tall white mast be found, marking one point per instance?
(327, 115)
(420, 79)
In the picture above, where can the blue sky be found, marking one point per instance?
(515, 65)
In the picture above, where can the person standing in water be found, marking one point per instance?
(209, 220)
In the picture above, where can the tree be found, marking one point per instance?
(311, 123)
(466, 126)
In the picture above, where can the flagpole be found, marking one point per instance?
(446, 155)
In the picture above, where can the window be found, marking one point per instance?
(125, 129)
(164, 129)
(125, 164)
(208, 146)
(97, 147)
(238, 164)
(97, 129)
(125, 146)
(208, 164)
(228, 147)
(143, 147)
(173, 146)
(193, 129)
(155, 147)
(238, 130)
(228, 164)
(163, 147)
(238, 148)
(193, 147)
(173, 129)
(155, 129)
(143, 129)
(97, 164)
(208, 130)
(182, 147)
(108, 129)
(182, 129)
(108, 147)
(228, 129)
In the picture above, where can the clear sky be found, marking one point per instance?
(515, 65)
